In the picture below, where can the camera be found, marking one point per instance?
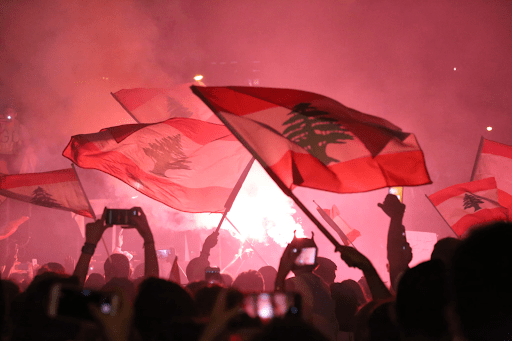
(70, 302)
(165, 253)
(266, 306)
(212, 274)
(307, 256)
(120, 217)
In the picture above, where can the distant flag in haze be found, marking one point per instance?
(174, 276)
(334, 213)
(469, 204)
(58, 189)
(153, 105)
(313, 141)
(187, 164)
(495, 160)
(11, 227)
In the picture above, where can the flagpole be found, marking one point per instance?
(442, 216)
(270, 172)
(477, 157)
(122, 105)
(246, 241)
(89, 204)
(234, 192)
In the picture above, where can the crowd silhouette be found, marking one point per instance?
(464, 292)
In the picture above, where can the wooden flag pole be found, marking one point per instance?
(442, 217)
(480, 146)
(90, 207)
(234, 192)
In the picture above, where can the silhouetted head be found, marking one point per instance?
(482, 282)
(444, 249)
(117, 265)
(249, 281)
(158, 305)
(52, 267)
(94, 281)
(227, 279)
(195, 269)
(421, 301)
(326, 270)
(269, 274)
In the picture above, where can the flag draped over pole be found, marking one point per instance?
(469, 204)
(58, 189)
(495, 160)
(187, 164)
(313, 141)
(334, 214)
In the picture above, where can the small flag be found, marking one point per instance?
(174, 276)
(469, 204)
(495, 160)
(351, 233)
(58, 189)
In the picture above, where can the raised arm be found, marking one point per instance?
(398, 249)
(93, 233)
(355, 259)
(150, 260)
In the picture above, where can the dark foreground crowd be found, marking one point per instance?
(464, 292)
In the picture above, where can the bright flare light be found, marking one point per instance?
(489, 128)
(260, 211)
(198, 78)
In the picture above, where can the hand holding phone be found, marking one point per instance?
(120, 217)
(71, 302)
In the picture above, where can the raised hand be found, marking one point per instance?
(392, 206)
(141, 224)
(94, 231)
(211, 241)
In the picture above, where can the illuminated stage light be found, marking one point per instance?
(454, 69)
(9, 117)
(197, 78)
(489, 128)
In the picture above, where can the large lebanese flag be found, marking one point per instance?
(313, 141)
(58, 189)
(495, 160)
(187, 164)
(469, 204)
(153, 105)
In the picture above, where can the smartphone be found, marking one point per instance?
(307, 256)
(165, 253)
(120, 217)
(212, 274)
(266, 306)
(71, 302)
(398, 191)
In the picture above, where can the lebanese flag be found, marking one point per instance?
(153, 105)
(334, 213)
(313, 141)
(58, 189)
(469, 204)
(187, 164)
(495, 160)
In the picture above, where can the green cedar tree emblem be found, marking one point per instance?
(313, 130)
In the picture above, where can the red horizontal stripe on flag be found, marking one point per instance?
(33, 179)
(358, 175)
(481, 217)
(495, 148)
(455, 190)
